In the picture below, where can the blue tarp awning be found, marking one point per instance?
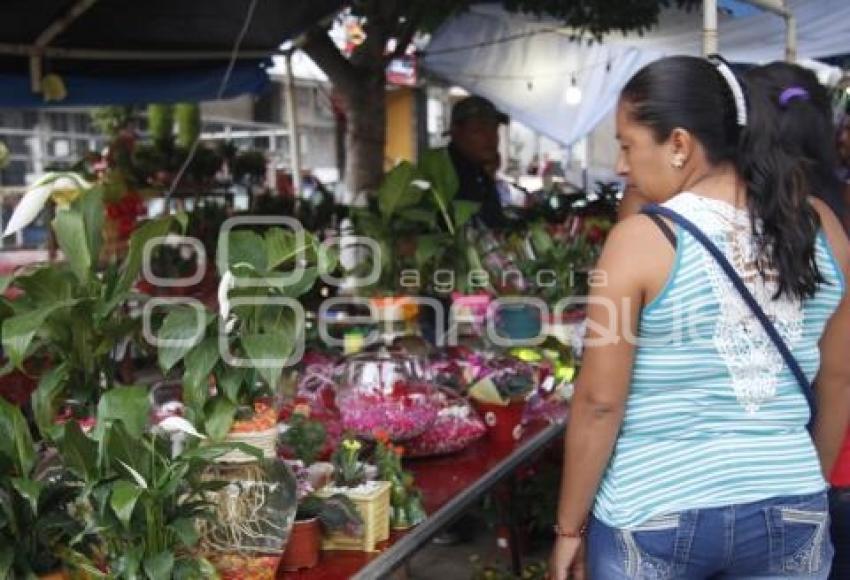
(192, 85)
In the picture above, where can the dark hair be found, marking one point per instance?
(803, 122)
(690, 93)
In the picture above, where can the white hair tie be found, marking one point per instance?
(734, 86)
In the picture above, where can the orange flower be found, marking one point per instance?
(381, 436)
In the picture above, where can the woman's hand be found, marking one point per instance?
(567, 557)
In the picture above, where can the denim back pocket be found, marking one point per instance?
(659, 548)
(799, 534)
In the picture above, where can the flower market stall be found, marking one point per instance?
(274, 421)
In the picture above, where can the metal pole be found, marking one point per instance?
(292, 120)
(709, 27)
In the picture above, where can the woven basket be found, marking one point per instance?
(265, 441)
(374, 508)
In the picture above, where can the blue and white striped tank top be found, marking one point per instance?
(714, 417)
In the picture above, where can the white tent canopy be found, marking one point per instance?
(525, 64)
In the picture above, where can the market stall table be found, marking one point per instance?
(450, 484)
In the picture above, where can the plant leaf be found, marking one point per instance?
(159, 565)
(135, 254)
(91, 208)
(268, 353)
(464, 211)
(436, 166)
(15, 439)
(182, 326)
(46, 285)
(130, 405)
(30, 490)
(299, 287)
(419, 215)
(243, 247)
(200, 361)
(281, 247)
(219, 418)
(123, 500)
(395, 192)
(19, 331)
(79, 452)
(44, 399)
(186, 531)
(71, 237)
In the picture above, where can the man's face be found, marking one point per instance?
(477, 139)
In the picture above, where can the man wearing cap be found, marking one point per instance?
(474, 150)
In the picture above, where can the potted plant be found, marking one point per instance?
(501, 394)
(145, 495)
(36, 525)
(304, 439)
(72, 313)
(232, 364)
(241, 352)
(315, 515)
(406, 508)
(372, 499)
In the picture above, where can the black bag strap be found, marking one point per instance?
(769, 328)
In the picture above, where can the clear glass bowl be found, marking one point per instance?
(387, 392)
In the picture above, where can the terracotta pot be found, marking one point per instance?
(302, 548)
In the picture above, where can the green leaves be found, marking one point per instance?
(19, 331)
(198, 364)
(219, 418)
(140, 237)
(130, 405)
(268, 353)
(30, 490)
(72, 239)
(183, 328)
(123, 500)
(159, 565)
(45, 398)
(464, 211)
(396, 191)
(15, 439)
(242, 247)
(437, 168)
(79, 452)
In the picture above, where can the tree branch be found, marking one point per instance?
(322, 50)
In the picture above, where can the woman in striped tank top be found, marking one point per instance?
(687, 453)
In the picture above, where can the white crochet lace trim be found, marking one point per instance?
(752, 359)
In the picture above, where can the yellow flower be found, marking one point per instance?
(352, 445)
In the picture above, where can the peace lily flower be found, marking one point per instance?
(228, 283)
(62, 187)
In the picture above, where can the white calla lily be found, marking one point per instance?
(28, 209)
(176, 424)
(421, 184)
(66, 186)
(228, 282)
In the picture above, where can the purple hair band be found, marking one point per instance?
(792, 93)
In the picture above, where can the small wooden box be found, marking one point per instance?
(374, 508)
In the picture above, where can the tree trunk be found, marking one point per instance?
(366, 135)
(361, 81)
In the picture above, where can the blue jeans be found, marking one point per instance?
(783, 537)
(839, 511)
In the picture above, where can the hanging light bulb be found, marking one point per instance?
(573, 94)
